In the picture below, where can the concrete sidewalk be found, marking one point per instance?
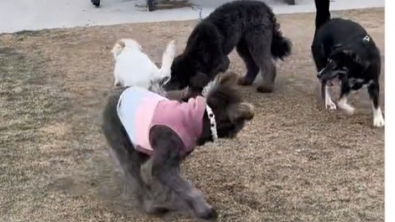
(17, 15)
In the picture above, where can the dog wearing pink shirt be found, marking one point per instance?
(150, 131)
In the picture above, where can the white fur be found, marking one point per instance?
(134, 68)
(378, 120)
(329, 104)
(209, 87)
(342, 104)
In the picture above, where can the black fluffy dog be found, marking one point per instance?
(168, 150)
(251, 27)
(344, 52)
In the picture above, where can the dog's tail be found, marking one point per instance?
(281, 46)
(117, 49)
(167, 59)
(323, 14)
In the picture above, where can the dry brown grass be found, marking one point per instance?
(294, 162)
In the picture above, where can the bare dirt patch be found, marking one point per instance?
(294, 162)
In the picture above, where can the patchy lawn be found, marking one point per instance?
(295, 161)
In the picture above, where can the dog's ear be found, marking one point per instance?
(229, 79)
(241, 111)
(199, 80)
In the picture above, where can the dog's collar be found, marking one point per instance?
(213, 124)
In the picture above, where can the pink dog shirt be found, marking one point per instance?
(140, 109)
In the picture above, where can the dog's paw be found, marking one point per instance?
(265, 89)
(243, 81)
(329, 104)
(346, 108)
(151, 208)
(207, 214)
(378, 121)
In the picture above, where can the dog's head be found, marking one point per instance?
(184, 72)
(346, 58)
(230, 110)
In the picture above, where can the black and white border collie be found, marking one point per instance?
(343, 51)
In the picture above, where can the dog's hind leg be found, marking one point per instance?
(128, 159)
(259, 43)
(252, 68)
(374, 92)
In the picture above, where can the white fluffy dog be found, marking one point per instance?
(134, 68)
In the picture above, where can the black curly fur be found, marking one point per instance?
(248, 26)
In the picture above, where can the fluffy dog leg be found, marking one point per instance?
(162, 199)
(166, 162)
(259, 44)
(374, 91)
(252, 68)
(127, 158)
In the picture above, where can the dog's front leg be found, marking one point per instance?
(342, 103)
(170, 176)
(329, 104)
(224, 64)
(166, 161)
(162, 199)
(374, 92)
